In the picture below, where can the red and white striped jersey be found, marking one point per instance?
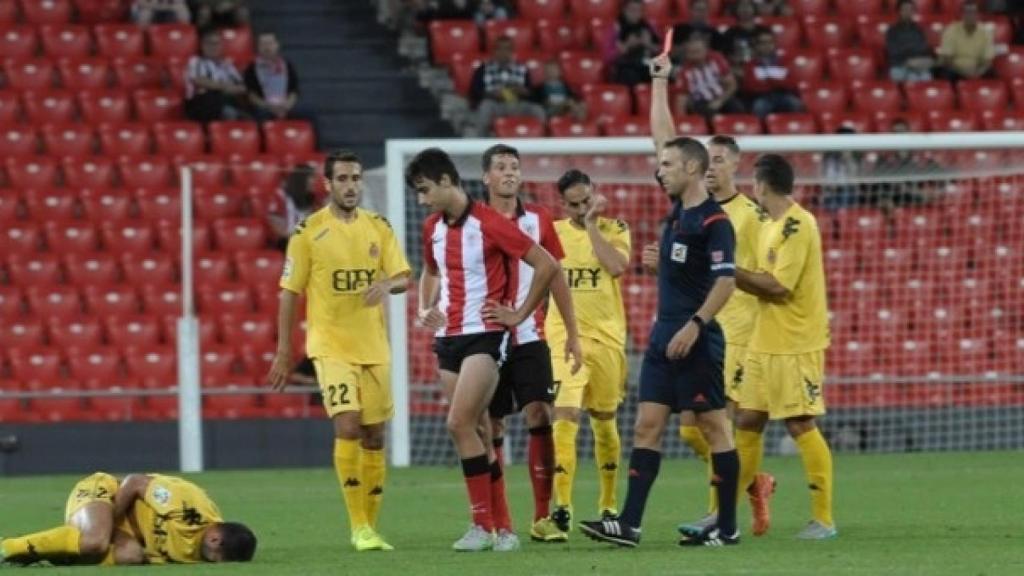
(535, 222)
(474, 257)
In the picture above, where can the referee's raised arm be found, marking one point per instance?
(662, 126)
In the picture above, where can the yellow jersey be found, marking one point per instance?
(333, 263)
(790, 250)
(738, 314)
(596, 296)
(171, 518)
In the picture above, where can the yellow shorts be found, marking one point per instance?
(784, 385)
(600, 385)
(734, 356)
(355, 388)
(99, 487)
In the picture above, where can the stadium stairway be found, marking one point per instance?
(350, 74)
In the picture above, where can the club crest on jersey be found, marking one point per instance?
(678, 253)
(374, 250)
(162, 495)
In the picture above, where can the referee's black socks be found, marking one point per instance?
(644, 464)
(726, 471)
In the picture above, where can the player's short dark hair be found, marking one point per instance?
(776, 172)
(238, 543)
(692, 149)
(339, 156)
(727, 142)
(572, 178)
(497, 150)
(431, 164)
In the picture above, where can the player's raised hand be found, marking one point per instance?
(500, 313)
(574, 350)
(432, 318)
(660, 66)
(597, 205)
(680, 345)
(376, 293)
(280, 370)
(649, 257)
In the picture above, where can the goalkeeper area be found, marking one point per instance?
(929, 514)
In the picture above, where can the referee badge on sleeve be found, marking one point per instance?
(678, 252)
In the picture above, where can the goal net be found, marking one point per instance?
(922, 235)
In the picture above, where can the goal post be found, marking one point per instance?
(926, 329)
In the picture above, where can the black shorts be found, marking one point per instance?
(695, 382)
(452, 350)
(526, 377)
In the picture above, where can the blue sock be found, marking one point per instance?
(643, 469)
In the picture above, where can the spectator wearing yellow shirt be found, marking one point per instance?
(967, 48)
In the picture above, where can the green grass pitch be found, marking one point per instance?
(928, 514)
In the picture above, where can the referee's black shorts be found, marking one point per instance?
(526, 377)
(695, 382)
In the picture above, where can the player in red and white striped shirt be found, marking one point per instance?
(526, 380)
(468, 251)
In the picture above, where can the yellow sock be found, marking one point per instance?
(55, 543)
(374, 470)
(346, 466)
(564, 435)
(607, 452)
(817, 460)
(750, 448)
(695, 439)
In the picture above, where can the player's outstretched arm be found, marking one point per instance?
(281, 368)
(132, 488)
(761, 284)
(662, 126)
(563, 300)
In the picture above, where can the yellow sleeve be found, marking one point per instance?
(295, 273)
(393, 258)
(793, 252)
(620, 237)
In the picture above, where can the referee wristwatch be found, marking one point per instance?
(701, 324)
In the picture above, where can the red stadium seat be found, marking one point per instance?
(38, 172)
(883, 120)
(239, 234)
(66, 41)
(605, 101)
(16, 333)
(232, 406)
(12, 303)
(183, 139)
(131, 237)
(519, 30)
(137, 72)
(209, 333)
(980, 96)
(121, 140)
(101, 11)
(153, 105)
(75, 332)
(239, 138)
(263, 172)
(96, 173)
(851, 65)
(259, 267)
(283, 405)
(537, 9)
(806, 66)
(449, 37)
(29, 73)
(824, 97)
(8, 11)
(214, 268)
(1003, 120)
(150, 172)
(861, 227)
(149, 268)
(929, 96)
(18, 41)
(1000, 28)
(162, 300)
(217, 362)
(18, 141)
(579, 68)
(154, 366)
(218, 203)
(84, 73)
(107, 301)
(250, 329)
(860, 122)
(934, 25)
(79, 239)
(64, 302)
(115, 408)
(738, 124)
(879, 96)
(518, 127)
(120, 40)
(159, 204)
(827, 32)
(587, 9)
(172, 40)
(565, 126)
(797, 123)
(52, 204)
(810, 7)
(289, 137)
(10, 206)
(104, 106)
(169, 236)
(132, 329)
(237, 43)
(871, 32)
(628, 126)
(951, 121)
(225, 299)
(10, 108)
(95, 269)
(788, 34)
(556, 35)
(917, 227)
(207, 172)
(65, 141)
(37, 367)
(692, 125)
(106, 204)
(46, 11)
(49, 106)
(857, 8)
(1011, 64)
(19, 239)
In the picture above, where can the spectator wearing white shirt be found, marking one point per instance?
(213, 86)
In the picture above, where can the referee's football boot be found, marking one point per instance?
(613, 531)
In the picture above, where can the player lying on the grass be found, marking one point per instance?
(596, 256)
(784, 371)
(682, 367)
(346, 260)
(148, 519)
(525, 380)
(467, 248)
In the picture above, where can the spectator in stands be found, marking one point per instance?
(216, 14)
(555, 95)
(698, 25)
(297, 201)
(271, 81)
(967, 48)
(709, 86)
(213, 86)
(490, 10)
(906, 47)
(629, 44)
(839, 169)
(767, 82)
(906, 165)
(773, 8)
(427, 10)
(740, 38)
(501, 87)
(146, 12)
